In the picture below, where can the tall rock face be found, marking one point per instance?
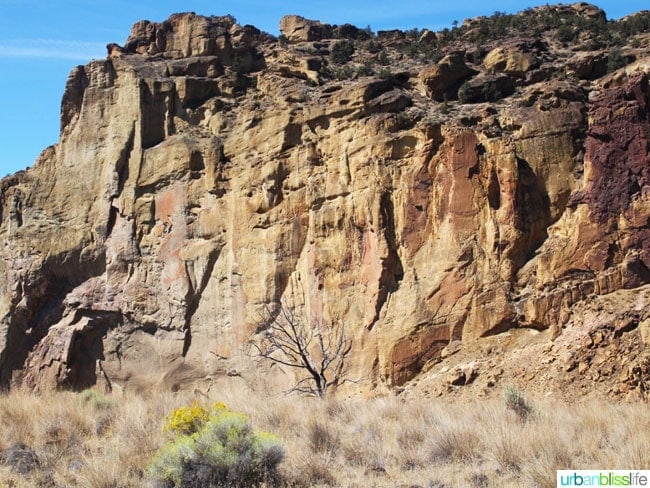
(207, 172)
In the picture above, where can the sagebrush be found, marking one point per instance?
(216, 448)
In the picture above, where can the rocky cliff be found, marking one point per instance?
(431, 191)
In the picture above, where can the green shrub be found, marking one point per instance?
(413, 34)
(385, 73)
(516, 402)
(216, 448)
(342, 52)
(342, 73)
(382, 58)
(95, 399)
(565, 33)
(412, 50)
(464, 93)
(373, 46)
(615, 59)
(366, 69)
(404, 121)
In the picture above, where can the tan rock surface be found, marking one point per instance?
(299, 29)
(510, 60)
(225, 173)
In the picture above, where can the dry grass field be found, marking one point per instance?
(86, 439)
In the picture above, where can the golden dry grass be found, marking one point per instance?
(84, 440)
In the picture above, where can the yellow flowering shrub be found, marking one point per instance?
(216, 446)
(186, 420)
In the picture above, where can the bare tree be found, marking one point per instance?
(320, 352)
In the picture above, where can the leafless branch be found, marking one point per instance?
(288, 339)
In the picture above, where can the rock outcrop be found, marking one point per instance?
(486, 88)
(299, 29)
(206, 172)
(512, 60)
(443, 79)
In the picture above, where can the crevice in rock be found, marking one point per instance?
(637, 274)
(87, 348)
(533, 214)
(154, 107)
(196, 161)
(112, 218)
(292, 136)
(122, 165)
(187, 341)
(317, 203)
(392, 270)
(494, 191)
(193, 297)
(322, 123)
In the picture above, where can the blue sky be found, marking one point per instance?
(41, 41)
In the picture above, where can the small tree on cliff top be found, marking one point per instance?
(319, 352)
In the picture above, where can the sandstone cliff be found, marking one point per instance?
(423, 191)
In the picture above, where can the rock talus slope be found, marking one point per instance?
(207, 171)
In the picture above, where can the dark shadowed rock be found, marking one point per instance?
(486, 88)
(589, 66)
(21, 458)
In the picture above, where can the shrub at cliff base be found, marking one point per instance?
(215, 448)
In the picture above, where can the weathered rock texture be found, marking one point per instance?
(202, 174)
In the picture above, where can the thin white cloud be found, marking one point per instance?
(52, 49)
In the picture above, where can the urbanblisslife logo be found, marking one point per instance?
(596, 477)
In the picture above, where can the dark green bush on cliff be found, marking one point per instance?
(342, 52)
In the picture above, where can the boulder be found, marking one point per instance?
(299, 65)
(427, 37)
(21, 458)
(391, 101)
(512, 60)
(486, 88)
(443, 79)
(298, 29)
(589, 11)
(588, 66)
